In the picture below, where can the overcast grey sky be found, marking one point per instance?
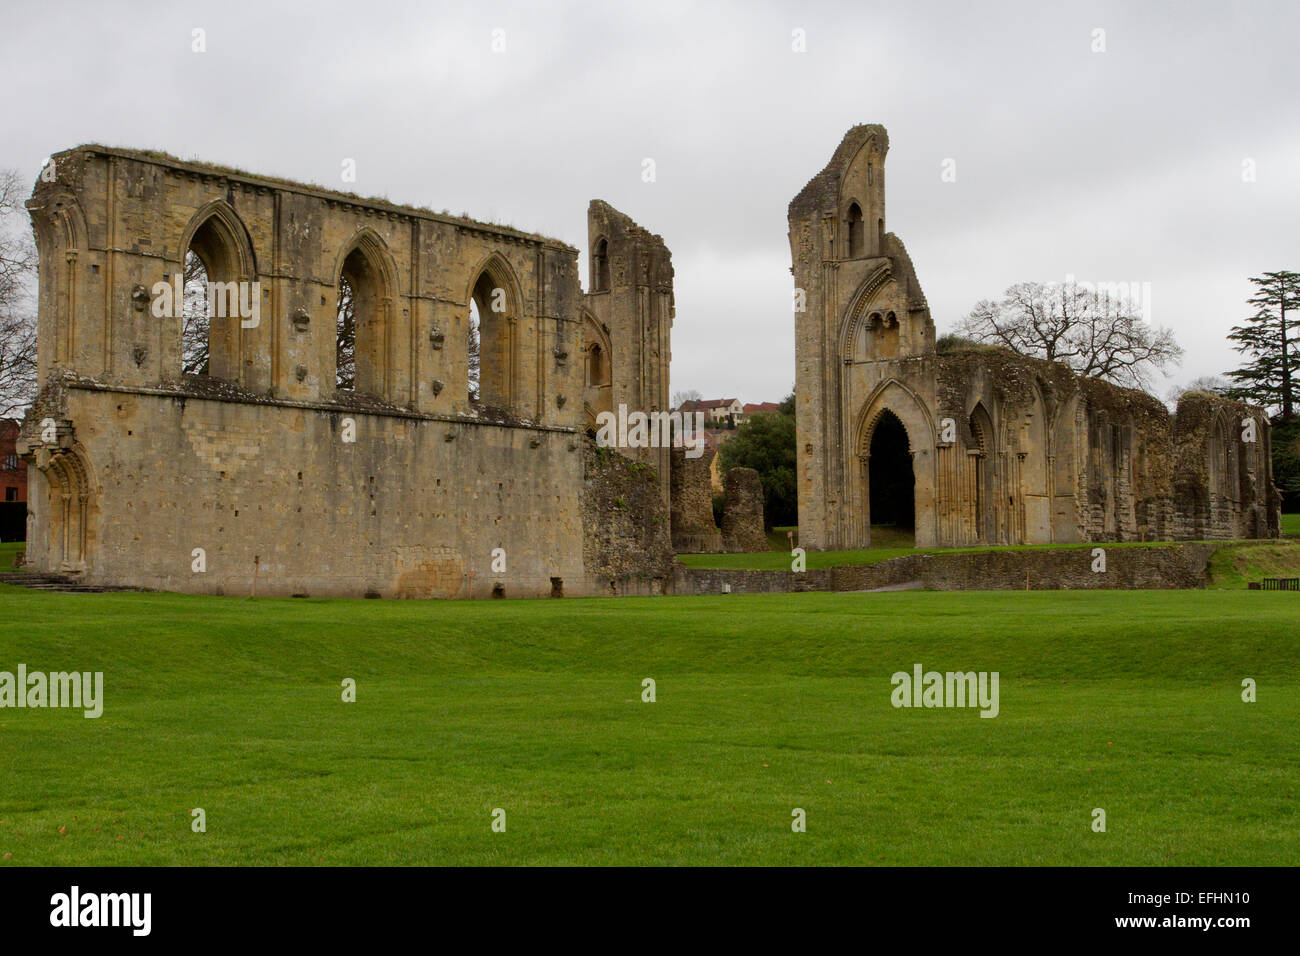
(1125, 165)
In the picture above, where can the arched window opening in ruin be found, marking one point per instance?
(891, 479)
(211, 302)
(600, 266)
(362, 316)
(359, 326)
(194, 326)
(345, 337)
(854, 224)
(492, 306)
(473, 350)
(598, 370)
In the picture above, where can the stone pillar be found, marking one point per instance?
(742, 512)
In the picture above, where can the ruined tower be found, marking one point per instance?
(861, 321)
(981, 446)
(627, 323)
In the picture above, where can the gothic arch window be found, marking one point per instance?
(217, 287)
(362, 321)
(600, 266)
(598, 370)
(981, 427)
(853, 224)
(494, 314)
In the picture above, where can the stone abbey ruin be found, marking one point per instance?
(982, 446)
(402, 485)
(273, 473)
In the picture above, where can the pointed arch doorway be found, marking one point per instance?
(891, 479)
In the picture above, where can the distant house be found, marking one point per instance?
(719, 411)
(754, 408)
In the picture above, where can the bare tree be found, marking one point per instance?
(345, 337)
(473, 351)
(17, 303)
(194, 332)
(685, 395)
(1096, 335)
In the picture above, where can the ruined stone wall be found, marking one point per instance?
(628, 317)
(626, 543)
(1164, 567)
(412, 508)
(693, 528)
(402, 485)
(742, 511)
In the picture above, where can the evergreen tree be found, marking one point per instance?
(1267, 338)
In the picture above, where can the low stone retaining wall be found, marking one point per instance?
(1163, 567)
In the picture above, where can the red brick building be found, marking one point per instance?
(13, 470)
(13, 485)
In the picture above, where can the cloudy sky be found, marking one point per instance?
(1122, 165)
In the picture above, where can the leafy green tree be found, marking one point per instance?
(1286, 461)
(1268, 339)
(766, 443)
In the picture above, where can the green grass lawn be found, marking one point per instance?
(1291, 524)
(1128, 701)
(9, 550)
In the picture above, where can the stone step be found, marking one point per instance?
(57, 583)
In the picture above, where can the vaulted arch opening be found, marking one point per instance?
(891, 480)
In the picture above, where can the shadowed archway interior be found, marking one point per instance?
(892, 482)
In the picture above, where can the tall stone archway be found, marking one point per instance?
(898, 402)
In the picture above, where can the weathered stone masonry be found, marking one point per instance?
(249, 462)
(1035, 454)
